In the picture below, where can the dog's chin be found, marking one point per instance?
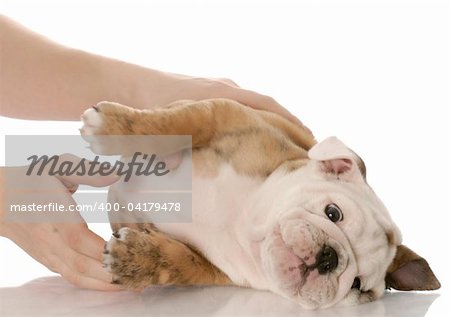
(292, 273)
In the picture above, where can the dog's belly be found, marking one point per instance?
(216, 230)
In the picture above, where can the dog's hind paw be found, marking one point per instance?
(137, 259)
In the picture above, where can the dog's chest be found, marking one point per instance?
(216, 228)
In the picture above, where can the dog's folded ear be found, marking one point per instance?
(409, 272)
(334, 157)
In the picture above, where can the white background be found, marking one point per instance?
(373, 73)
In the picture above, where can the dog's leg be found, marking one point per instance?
(237, 134)
(135, 258)
(201, 119)
(140, 259)
(139, 255)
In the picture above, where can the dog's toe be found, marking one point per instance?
(92, 122)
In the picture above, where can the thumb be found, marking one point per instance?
(92, 179)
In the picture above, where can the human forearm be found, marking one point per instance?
(40, 79)
(43, 80)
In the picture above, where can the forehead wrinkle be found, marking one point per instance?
(387, 232)
(358, 218)
(377, 212)
(369, 242)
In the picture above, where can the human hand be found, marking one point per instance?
(69, 249)
(175, 87)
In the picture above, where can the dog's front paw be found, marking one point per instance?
(136, 259)
(107, 118)
(92, 122)
(102, 122)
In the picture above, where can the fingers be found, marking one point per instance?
(261, 102)
(173, 160)
(85, 266)
(72, 181)
(78, 279)
(84, 241)
(50, 247)
(78, 257)
(70, 249)
(228, 82)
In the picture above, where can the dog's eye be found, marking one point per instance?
(356, 283)
(334, 213)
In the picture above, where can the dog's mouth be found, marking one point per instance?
(304, 263)
(285, 266)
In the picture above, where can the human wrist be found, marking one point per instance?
(130, 84)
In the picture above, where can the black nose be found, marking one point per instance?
(326, 260)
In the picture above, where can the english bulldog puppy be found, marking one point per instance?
(272, 209)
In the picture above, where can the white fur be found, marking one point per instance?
(92, 121)
(91, 129)
(215, 229)
(259, 232)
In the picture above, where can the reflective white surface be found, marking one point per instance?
(52, 296)
(374, 73)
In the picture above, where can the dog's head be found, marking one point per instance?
(328, 238)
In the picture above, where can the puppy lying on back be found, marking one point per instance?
(272, 210)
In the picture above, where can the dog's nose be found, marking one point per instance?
(326, 260)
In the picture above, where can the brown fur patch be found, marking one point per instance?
(253, 142)
(390, 237)
(152, 258)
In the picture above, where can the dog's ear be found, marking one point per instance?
(409, 272)
(334, 157)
